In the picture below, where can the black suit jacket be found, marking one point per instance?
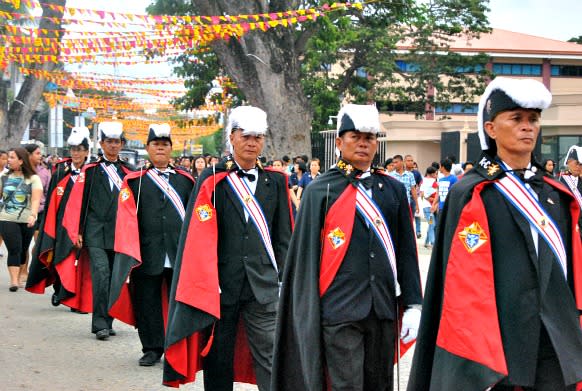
(530, 288)
(159, 222)
(242, 257)
(365, 281)
(99, 210)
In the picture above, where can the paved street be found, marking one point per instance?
(48, 348)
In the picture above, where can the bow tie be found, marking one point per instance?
(535, 181)
(108, 163)
(75, 172)
(242, 174)
(367, 182)
(166, 173)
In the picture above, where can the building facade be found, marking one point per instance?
(555, 63)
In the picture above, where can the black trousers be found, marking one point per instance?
(17, 237)
(101, 261)
(360, 355)
(259, 322)
(148, 308)
(548, 372)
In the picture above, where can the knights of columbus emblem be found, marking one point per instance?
(60, 191)
(337, 237)
(124, 194)
(473, 237)
(492, 169)
(204, 212)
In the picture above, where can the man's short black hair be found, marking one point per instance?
(387, 162)
(468, 162)
(399, 157)
(430, 170)
(447, 164)
(286, 158)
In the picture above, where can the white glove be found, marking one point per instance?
(410, 323)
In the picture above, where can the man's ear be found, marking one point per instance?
(489, 128)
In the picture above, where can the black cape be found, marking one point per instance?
(434, 367)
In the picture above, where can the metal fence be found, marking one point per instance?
(323, 148)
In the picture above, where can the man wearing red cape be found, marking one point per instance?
(504, 290)
(56, 261)
(226, 280)
(150, 214)
(90, 219)
(351, 269)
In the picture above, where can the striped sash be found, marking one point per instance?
(573, 188)
(252, 207)
(523, 200)
(168, 190)
(371, 213)
(114, 177)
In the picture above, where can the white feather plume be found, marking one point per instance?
(78, 134)
(365, 117)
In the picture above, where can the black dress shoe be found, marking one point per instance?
(112, 332)
(55, 301)
(13, 288)
(102, 335)
(149, 359)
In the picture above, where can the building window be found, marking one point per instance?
(556, 147)
(408, 67)
(470, 69)
(326, 67)
(517, 69)
(567, 70)
(398, 107)
(361, 72)
(457, 108)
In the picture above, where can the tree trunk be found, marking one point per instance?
(15, 118)
(265, 66)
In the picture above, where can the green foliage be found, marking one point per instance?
(212, 143)
(365, 46)
(577, 39)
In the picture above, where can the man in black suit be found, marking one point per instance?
(571, 178)
(150, 212)
(351, 266)
(504, 290)
(100, 188)
(233, 245)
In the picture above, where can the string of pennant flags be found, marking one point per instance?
(115, 38)
(185, 19)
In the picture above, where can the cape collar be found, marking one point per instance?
(490, 168)
(149, 165)
(231, 165)
(353, 174)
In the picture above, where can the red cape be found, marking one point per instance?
(196, 290)
(475, 351)
(128, 254)
(74, 270)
